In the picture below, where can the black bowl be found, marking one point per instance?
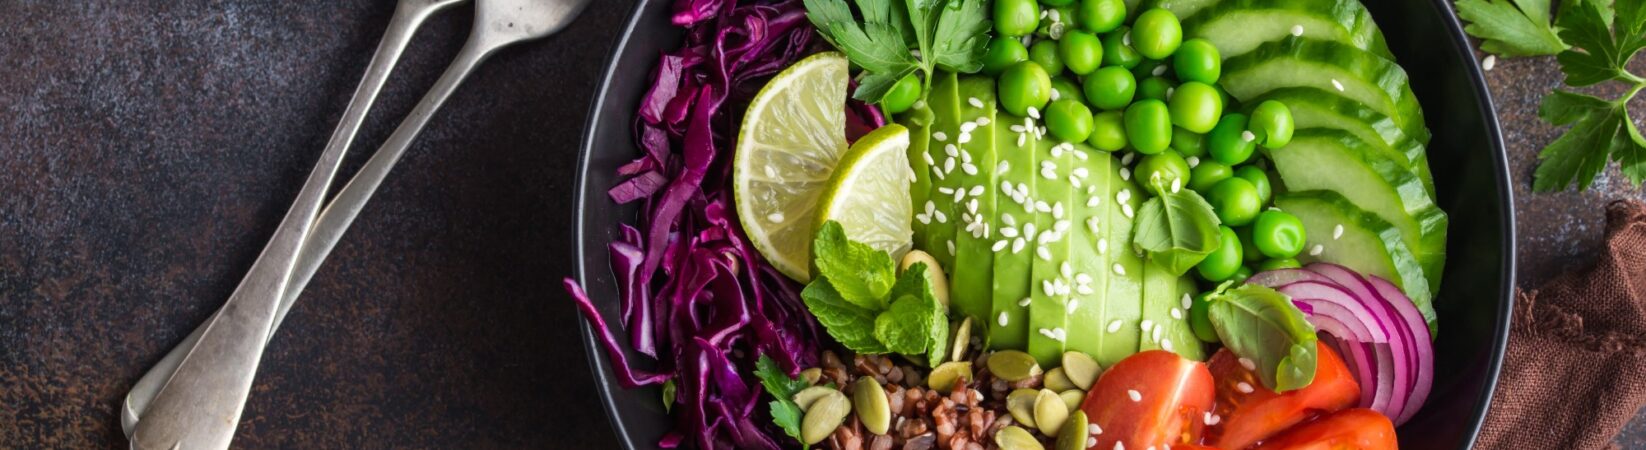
(1466, 155)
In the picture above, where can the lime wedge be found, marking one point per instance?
(869, 193)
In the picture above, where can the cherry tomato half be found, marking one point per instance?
(1349, 429)
(1247, 412)
(1154, 398)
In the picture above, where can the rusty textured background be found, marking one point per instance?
(148, 149)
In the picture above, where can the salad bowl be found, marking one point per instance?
(1471, 179)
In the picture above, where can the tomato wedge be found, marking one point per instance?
(1247, 412)
(1349, 429)
(1151, 399)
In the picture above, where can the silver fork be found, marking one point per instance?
(199, 404)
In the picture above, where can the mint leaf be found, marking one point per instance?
(1263, 325)
(961, 36)
(1177, 229)
(917, 324)
(861, 274)
(1599, 128)
(849, 324)
(1519, 29)
(785, 413)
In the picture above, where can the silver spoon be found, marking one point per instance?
(199, 405)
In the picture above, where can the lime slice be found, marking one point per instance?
(792, 136)
(869, 193)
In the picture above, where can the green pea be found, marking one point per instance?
(1065, 21)
(1229, 102)
(1118, 51)
(1044, 53)
(902, 95)
(1246, 242)
(1002, 53)
(1241, 275)
(1154, 88)
(1279, 263)
(1195, 106)
(1223, 262)
(1259, 179)
(1157, 33)
(1022, 86)
(1235, 201)
(1082, 52)
(1101, 16)
(1069, 120)
(1065, 89)
(1013, 18)
(1278, 234)
(1207, 174)
(1229, 142)
(1108, 131)
(1200, 318)
(1110, 88)
(1197, 60)
(1056, 2)
(1187, 142)
(1149, 126)
(1168, 167)
(1271, 123)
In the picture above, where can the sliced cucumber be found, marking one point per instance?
(1050, 280)
(1353, 73)
(944, 219)
(973, 274)
(1009, 317)
(1336, 161)
(1314, 108)
(1367, 244)
(1238, 26)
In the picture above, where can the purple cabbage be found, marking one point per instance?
(695, 295)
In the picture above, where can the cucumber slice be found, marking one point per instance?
(942, 219)
(973, 274)
(1051, 278)
(1009, 316)
(1314, 108)
(1352, 73)
(1372, 182)
(1238, 26)
(1368, 244)
(1088, 322)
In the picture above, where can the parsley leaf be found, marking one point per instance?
(1604, 41)
(961, 36)
(1523, 28)
(851, 325)
(785, 413)
(861, 274)
(952, 34)
(1597, 55)
(1177, 229)
(1263, 325)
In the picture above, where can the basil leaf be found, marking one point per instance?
(1177, 229)
(1263, 325)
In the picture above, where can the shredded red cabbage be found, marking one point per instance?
(695, 296)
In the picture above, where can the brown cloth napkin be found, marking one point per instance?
(1576, 367)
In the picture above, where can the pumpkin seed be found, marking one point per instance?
(1050, 412)
(812, 375)
(1058, 381)
(962, 340)
(1013, 365)
(1020, 403)
(944, 377)
(1016, 438)
(1074, 434)
(806, 397)
(824, 417)
(1081, 369)
(1073, 398)
(869, 399)
(940, 282)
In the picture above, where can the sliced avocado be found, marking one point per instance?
(1091, 201)
(918, 121)
(1238, 26)
(1051, 277)
(1165, 324)
(1017, 156)
(1125, 271)
(971, 288)
(1367, 244)
(1331, 66)
(942, 222)
(1314, 108)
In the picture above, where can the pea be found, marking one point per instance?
(1044, 53)
(1228, 141)
(1198, 60)
(1157, 33)
(1065, 21)
(1118, 51)
(1082, 52)
(1259, 180)
(1223, 262)
(1187, 142)
(1108, 131)
(1056, 2)
(1200, 319)
(1278, 234)
(1277, 264)
(1013, 18)
(1241, 275)
(1229, 102)
(902, 95)
(1271, 123)
(1168, 167)
(1202, 177)
(1069, 120)
(1149, 126)
(1153, 88)
(1022, 86)
(1246, 242)
(1235, 201)
(1196, 106)
(1110, 88)
(1002, 53)
(1101, 16)
(1065, 89)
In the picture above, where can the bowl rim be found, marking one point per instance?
(600, 366)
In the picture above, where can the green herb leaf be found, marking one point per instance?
(861, 274)
(785, 413)
(875, 85)
(961, 36)
(1599, 128)
(1177, 229)
(1597, 56)
(850, 324)
(1519, 29)
(952, 34)
(916, 324)
(1263, 325)
(668, 395)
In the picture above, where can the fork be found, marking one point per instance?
(200, 401)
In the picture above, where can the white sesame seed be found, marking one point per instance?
(1118, 445)
(1047, 288)
(940, 136)
(1017, 245)
(1090, 441)
(1070, 307)
(983, 121)
(1085, 290)
(1166, 344)
(1169, 92)
(1093, 429)
(969, 168)
(1119, 269)
(1055, 95)
(1337, 232)
(1125, 173)
(1187, 302)
(1061, 225)
(1194, 161)
(1489, 62)
(929, 160)
(1103, 248)
(1247, 136)
(1002, 320)
(1244, 387)
(1248, 364)
(1211, 419)
(1042, 206)
(776, 217)
(1177, 313)
(1008, 232)
(964, 137)
(967, 127)
(959, 194)
(1159, 70)
(1017, 128)
(1177, 185)
(1134, 395)
(1022, 139)
(1082, 278)
(1034, 113)
(951, 247)
(1001, 169)
(976, 191)
(925, 219)
(1316, 250)
(1123, 196)
(945, 190)
(1127, 209)
(1114, 326)
(1007, 218)
(1043, 253)
(998, 246)
(1057, 210)
(1065, 269)
(974, 102)
(1156, 336)
(1127, 157)
(1146, 325)
(1297, 30)
(1048, 173)
(1024, 302)
(951, 150)
(948, 165)
(1338, 85)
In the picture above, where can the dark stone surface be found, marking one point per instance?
(146, 155)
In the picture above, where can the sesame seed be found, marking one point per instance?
(1082, 278)
(1057, 210)
(983, 121)
(929, 160)
(1017, 128)
(945, 190)
(776, 217)
(1061, 225)
(1134, 395)
(1247, 136)
(1489, 62)
(1047, 287)
(1002, 168)
(1177, 185)
(1127, 158)
(998, 246)
(1211, 419)
(1017, 245)
(969, 168)
(951, 150)
(959, 194)
(1081, 172)
(1297, 30)
(1022, 139)
(1194, 161)
(974, 102)
(1090, 441)
(1008, 231)
(1177, 313)
(964, 137)
(1114, 326)
(1085, 290)
(1169, 91)
(1117, 444)
(1338, 85)
(976, 191)
(967, 127)
(948, 165)
(1159, 70)
(1166, 344)
(940, 136)
(1127, 209)
(1337, 232)
(1048, 173)
(1093, 201)
(1156, 335)
(1146, 325)
(1093, 429)
(1008, 219)
(1125, 173)
(925, 219)
(1248, 364)
(1024, 302)
(1043, 253)
(1066, 270)
(1123, 196)
(1042, 206)
(1103, 248)
(1119, 269)
(1315, 251)
(1002, 320)
(951, 247)
(1034, 113)
(1069, 308)
(1187, 302)
(1055, 95)
(1244, 387)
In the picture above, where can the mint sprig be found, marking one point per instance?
(904, 317)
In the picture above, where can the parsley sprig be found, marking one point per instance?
(948, 34)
